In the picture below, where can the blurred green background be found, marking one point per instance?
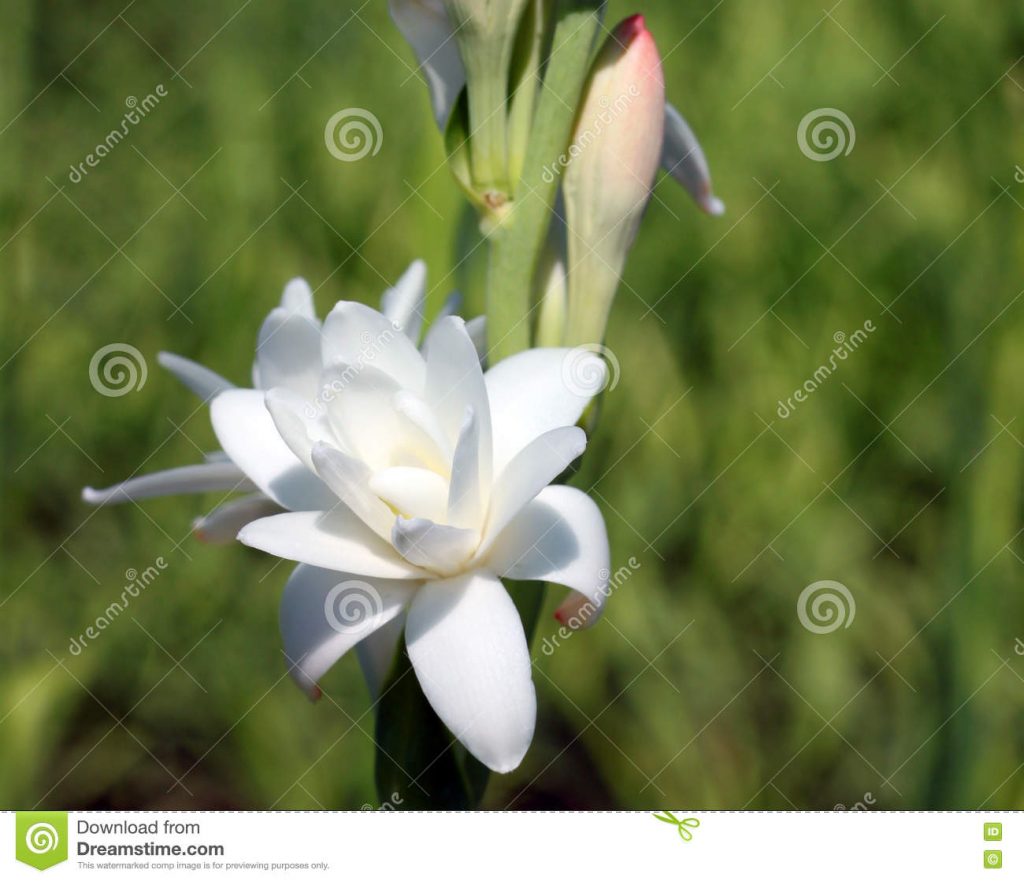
(900, 477)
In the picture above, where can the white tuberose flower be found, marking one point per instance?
(440, 474)
(287, 355)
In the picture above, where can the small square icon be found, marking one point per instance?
(993, 859)
(993, 831)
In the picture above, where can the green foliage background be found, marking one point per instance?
(900, 477)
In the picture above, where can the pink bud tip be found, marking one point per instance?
(315, 694)
(630, 28)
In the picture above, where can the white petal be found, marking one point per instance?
(537, 390)
(299, 423)
(288, 353)
(357, 335)
(528, 473)
(468, 649)
(560, 536)
(442, 549)
(413, 492)
(403, 304)
(455, 380)
(426, 27)
(350, 480)
(221, 525)
(330, 539)
(297, 299)
(466, 492)
(248, 435)
(376, 653)
(196, 378)
(324, 614)
(174, 481)
(477, 330)
(683, 158)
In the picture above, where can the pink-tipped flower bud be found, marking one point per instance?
(612, 161)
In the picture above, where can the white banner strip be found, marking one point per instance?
(629, 845)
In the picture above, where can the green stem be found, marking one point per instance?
(517, 240)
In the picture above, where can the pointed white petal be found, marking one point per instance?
(297, 299)
(196, 378)
(330, 539)
(359, 336)
(426, 27)
(174, 481)
(442, 549)
(248, 435)
(350, 480)
(560, 536)
(403, 304)
(221, 525)
(323, 614)
(455, 380)
(468, 649)
(535, 391)
(533, 468)
(376, 653)
(683, 158)
(288, 353)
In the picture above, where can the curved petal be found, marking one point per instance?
(288, 353)
(335, 540)
(683, 158)
(297, 299)
(426, 27)
(560, 536)
(442, 549)
(468, 649)
(477, 330)
(359, 336)
(174, 481)
(455, 382)
(196, 378)
(376, 653)
(535, 391)
(248, 435)
(221, 525)
(414, 492)
(403, 304)
(323, 614)
(528, 473)
(350, 480)
(467, 491)
(299, 422)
